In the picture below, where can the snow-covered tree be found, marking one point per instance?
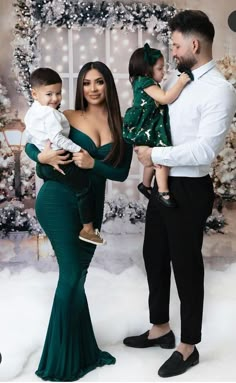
(224, 167)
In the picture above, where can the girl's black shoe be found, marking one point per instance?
(167, 202)
(146, 191)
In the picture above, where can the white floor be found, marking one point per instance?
(117, 294)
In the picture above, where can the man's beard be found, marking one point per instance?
(187, 63)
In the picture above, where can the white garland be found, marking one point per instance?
(33, 15)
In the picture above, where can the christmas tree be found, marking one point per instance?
(224, 167)
(6, 159)
(4, 105)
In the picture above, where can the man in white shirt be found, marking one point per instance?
(200, 119)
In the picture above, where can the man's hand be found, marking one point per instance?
(144, 155)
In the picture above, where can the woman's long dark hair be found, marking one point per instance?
(113, 107)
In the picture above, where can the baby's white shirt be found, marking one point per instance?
(44, 123)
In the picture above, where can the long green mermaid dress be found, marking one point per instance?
(70, 350)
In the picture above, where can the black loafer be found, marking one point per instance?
(176, 365)
(142, 341)
(146, 191)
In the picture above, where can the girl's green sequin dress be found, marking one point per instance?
(146, 123)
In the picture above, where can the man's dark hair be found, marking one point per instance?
(193, 21)
(44, 76)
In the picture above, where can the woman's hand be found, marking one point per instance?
(83, 159)
(54, 157)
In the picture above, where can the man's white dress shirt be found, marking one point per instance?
(44, 123)
(200, 119)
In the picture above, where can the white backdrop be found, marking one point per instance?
(67, 50)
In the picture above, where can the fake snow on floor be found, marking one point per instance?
(117, 296)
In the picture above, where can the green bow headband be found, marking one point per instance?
(151, 55)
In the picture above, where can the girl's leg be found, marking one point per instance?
(147, 176)
(164, 196)
(145, 186)
(162, 174)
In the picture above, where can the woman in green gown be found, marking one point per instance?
(70, 350)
